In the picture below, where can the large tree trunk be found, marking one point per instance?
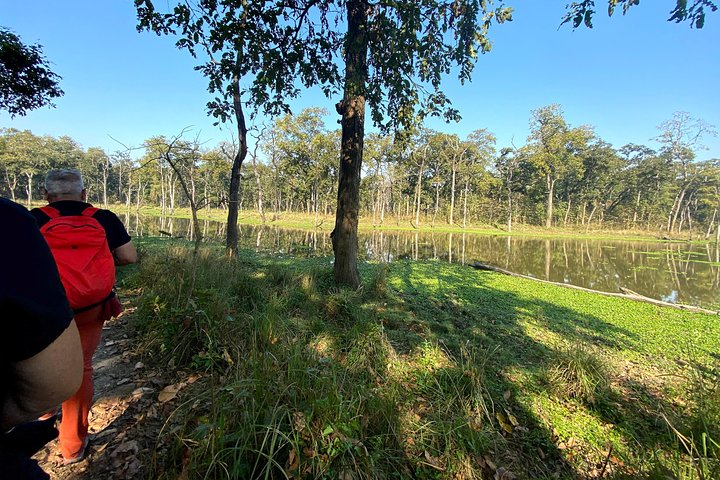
(352, 110)
(231, 238)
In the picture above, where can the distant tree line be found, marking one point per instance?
(564, 175)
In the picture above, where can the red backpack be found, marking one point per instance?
(82, 255)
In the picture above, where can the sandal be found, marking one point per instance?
(80, 456)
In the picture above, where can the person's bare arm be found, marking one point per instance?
(43, 381)
(125, 254)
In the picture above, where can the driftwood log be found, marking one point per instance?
(624, 292)
(168, 234)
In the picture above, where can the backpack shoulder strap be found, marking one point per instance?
(51, 212)
(89, 211)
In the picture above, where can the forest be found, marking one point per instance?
(563, 176)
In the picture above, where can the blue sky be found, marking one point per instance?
(624, 77)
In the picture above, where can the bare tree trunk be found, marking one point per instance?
(437, 202)
(128, 196)
(138, 197)
(231, 239)
(677, 205)
(315, 203)
(258, 184)
(510, 210)
(637, 208)
(465, 198)
(383, 204)
(196, 233)
(352, 110)
(172, 187)
(550, 196)
(567, 212)
(12, 184)
(710, 225)
(105, 168)
(452, 193)
(162, 192)
(418, 191)
(29, 188)
(589, 220)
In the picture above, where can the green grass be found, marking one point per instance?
(431, 370)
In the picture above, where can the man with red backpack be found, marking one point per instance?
(86, 243)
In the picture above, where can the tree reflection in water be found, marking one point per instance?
(682, 272)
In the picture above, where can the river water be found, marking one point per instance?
(675, 272)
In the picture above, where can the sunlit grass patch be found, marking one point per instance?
(430, 370)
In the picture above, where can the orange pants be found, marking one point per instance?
(74, 424)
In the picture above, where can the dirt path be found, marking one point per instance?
(126, 418)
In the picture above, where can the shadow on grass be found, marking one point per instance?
(519, 335)
(437, 373)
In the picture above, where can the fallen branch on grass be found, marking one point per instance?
(625, 293)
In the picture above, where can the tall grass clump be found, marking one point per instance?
(191, 329)
(305, 381)
(578, 373)
(697, 429)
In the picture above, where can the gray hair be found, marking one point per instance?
(65, 182)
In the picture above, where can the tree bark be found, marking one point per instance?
(710, 226)
(549, 207)
(231, 238)
(352, 111)
(437, 202)
(29, 188)
(452, 193)
(637, 209)
(510, 210)
(567, 212)
(418, 191)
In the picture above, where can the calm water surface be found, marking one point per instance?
(682, 272)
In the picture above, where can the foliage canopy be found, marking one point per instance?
(26, 81)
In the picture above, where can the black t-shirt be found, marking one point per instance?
(33, 308)
(114, 229)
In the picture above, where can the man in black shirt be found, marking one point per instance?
(40, 356)
(65, 193)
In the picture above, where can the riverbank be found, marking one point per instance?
(308, 222)
(431, 370)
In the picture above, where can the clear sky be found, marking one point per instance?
(624, 77)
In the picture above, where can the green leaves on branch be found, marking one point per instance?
(26, 81)
(582, 12)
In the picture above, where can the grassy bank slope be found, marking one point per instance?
(431, 370)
